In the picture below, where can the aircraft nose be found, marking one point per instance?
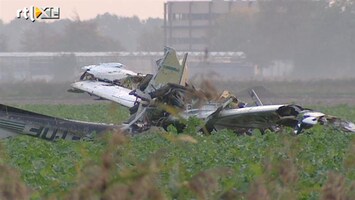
(310, 120)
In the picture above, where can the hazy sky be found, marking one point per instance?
(87, 8)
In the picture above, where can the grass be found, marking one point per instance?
(164, 165)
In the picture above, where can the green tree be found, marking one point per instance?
(234, 31)
(315, 35)
(152, 37)
(40, 37)
(3, 43)
(126, 30)
(3, 38)
(85, 36)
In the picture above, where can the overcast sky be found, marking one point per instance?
(87, 9)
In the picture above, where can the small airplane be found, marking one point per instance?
(162, 99)
(166, 98)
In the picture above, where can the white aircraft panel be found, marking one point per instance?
(107, 91)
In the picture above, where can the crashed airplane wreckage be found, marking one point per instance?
(165, 98)
(162, 99)
(15, 121)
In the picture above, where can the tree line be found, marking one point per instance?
(317, 34)
(104, 33)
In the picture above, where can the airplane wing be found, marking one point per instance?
(107, 91)
(15, 121)
(108, 71)
(266, 117)
(249, 117)
(102, 76)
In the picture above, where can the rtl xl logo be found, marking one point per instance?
(33, 13)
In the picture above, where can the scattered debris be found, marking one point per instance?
(163, 99)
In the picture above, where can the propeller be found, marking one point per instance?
(143, 104)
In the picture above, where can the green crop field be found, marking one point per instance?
(320, 163)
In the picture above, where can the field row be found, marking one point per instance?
(166, 165)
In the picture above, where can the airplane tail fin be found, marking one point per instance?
(170, 70)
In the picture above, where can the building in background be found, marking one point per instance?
(186, 23)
